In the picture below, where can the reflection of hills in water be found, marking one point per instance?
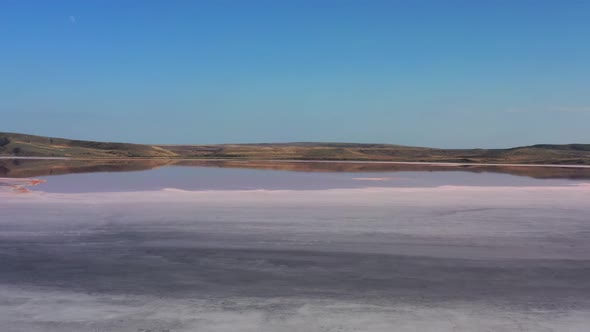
(22, 168)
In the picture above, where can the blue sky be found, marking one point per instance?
(430, 73)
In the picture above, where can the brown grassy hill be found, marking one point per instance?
(28, 145)
(39, 146)
(575, 154)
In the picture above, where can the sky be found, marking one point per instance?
(416, 72)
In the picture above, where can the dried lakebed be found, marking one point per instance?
(439, 258)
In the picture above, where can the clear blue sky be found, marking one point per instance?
(431, 73)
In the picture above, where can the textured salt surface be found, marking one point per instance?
(447, 258)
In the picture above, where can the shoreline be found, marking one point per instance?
(21, 191)
(384, 162)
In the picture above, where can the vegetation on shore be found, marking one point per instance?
(22, 145)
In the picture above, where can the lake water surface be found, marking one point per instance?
(221, 246)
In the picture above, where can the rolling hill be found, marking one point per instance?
(22, 145)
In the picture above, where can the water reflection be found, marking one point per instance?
(23, 168)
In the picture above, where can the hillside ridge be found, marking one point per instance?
(25, 145)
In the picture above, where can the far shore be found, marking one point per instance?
(446, 164)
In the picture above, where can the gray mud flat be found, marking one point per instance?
(393, 259)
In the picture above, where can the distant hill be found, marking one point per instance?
(12, 144)
(39, 146)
